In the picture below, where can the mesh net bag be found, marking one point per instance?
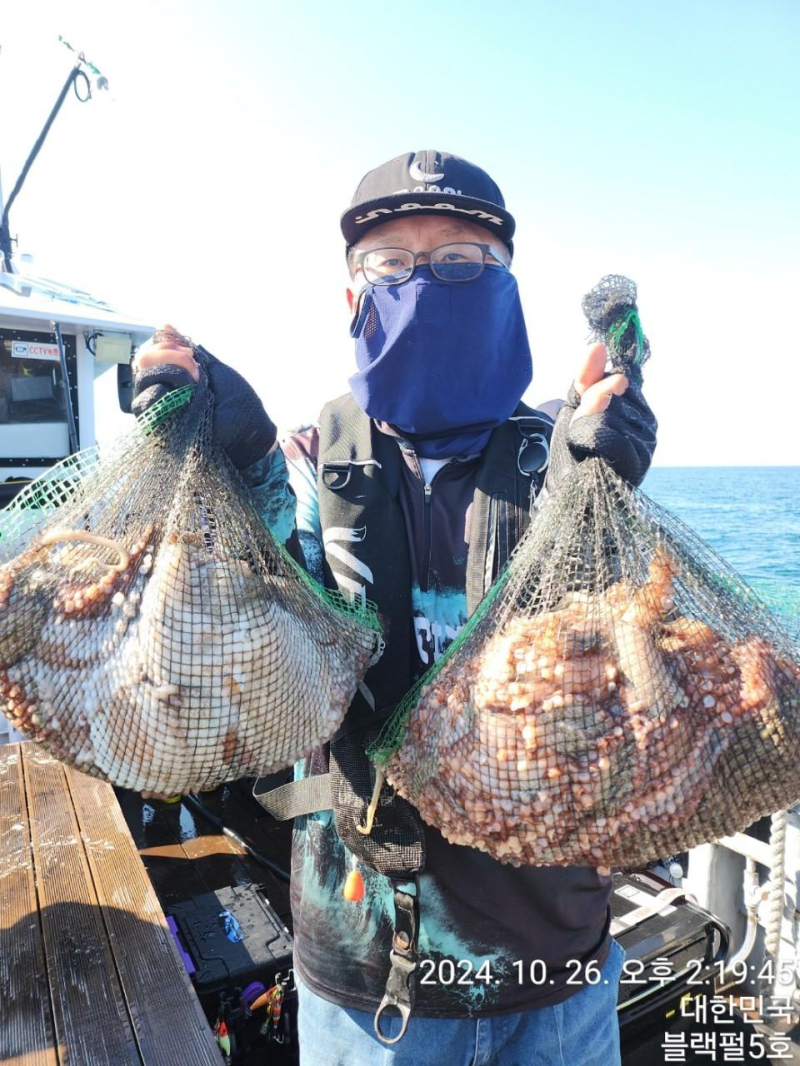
(620, 694)
(152, 633)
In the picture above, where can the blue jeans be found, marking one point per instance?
(581, 1031)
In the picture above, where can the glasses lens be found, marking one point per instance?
(457, 262)
(387, 266)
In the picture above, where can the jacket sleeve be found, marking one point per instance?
(301, 451)
(284, 490)
(274, 500)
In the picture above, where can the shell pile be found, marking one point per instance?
(160, 664)
(608, 731)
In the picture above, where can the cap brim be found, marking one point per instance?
(358, 220)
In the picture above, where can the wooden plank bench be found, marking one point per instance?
(89, 973)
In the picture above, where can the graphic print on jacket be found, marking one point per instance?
(481, 923)
(339, 956)
(438, 616)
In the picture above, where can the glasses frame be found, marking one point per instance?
(486, 250)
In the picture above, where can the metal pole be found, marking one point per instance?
(2, 213)
(748, 846)
(72, 428)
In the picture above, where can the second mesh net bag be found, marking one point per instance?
(620, 693)
(152, 632)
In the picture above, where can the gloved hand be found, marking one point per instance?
(241, 425)
(604, 416)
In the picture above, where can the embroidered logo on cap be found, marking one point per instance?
(418, 174)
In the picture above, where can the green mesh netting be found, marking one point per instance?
(619, 695)
(152, 632)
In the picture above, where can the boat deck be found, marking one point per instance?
(186, 854)
(88, 969)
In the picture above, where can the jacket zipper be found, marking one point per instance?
(427, 490)
(424, 578)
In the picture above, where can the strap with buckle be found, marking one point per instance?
(401, 982)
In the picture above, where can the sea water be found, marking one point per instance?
(750, 515)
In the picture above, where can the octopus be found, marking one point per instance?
(606, 731)
(163, 664)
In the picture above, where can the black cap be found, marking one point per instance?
(427, 183)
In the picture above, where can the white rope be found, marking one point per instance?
(775, 900)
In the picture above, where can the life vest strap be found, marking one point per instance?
(307, 796)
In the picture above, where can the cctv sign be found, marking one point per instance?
(30, 350)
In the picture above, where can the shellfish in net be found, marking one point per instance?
(152, 632)
(620, 694)
(610, 728)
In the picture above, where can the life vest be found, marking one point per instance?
(366, 555)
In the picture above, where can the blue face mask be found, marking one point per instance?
(442, 362)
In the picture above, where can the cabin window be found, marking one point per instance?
(32, 396)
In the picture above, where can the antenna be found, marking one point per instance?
(76, 76)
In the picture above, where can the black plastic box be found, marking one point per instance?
(669, 954)
(222, 964)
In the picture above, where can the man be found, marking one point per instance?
(467, 959)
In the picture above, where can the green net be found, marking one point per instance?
(152, 632)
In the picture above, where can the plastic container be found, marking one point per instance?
(229, 954)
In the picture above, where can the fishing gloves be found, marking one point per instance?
(624, 435)
(241, 425)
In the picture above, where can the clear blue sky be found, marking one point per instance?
(656, 140)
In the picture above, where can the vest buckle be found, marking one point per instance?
(336, 475)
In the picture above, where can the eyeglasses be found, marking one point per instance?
(448, 262)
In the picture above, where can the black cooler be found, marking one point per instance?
(673, 948)
(235, 948)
